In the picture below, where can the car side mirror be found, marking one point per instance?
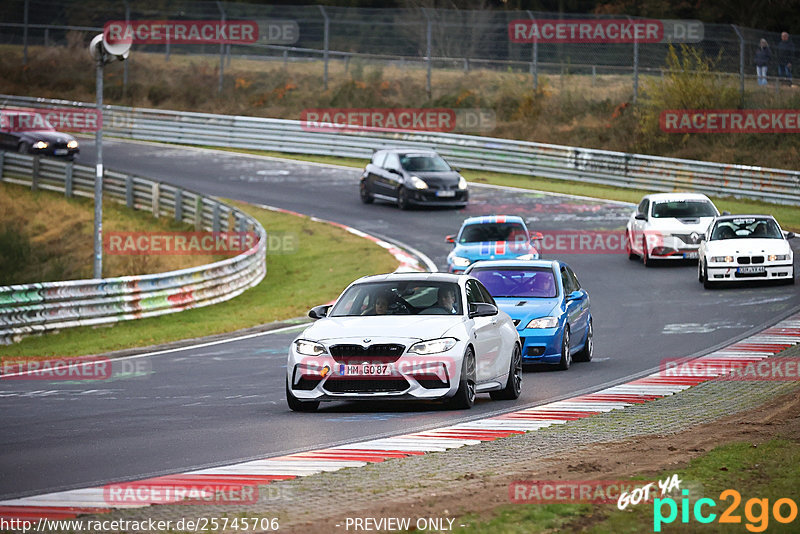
(457, 169)
(482, 309)
(450, 239)
(726, 212)
(536, 236)
(395, 171)
(640, 217)
(318, 312)
(790, 235)
(575, 295)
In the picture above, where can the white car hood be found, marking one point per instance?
(747, 246)
(380, 327)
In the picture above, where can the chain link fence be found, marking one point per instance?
(426, 38)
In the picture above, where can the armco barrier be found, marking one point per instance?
(472, 152)
(32, 308)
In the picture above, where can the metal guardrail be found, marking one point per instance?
(41, 307)
(618, 169)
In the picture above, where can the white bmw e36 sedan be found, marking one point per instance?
(740, 248)
(401, 336)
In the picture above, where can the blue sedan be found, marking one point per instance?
(548, 305)
(491, 237)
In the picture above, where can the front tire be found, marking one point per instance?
(514, 383)
(366, 196)
(646, 260)
(465, 396)
(585, 355)
(629, 247)
(402, 198)
(566, 357)
(296, 405)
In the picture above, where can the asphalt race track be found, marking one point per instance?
(223, 403)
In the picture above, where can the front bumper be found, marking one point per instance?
(325, 378)
(541, 345)
(430, 197)
(734, 272)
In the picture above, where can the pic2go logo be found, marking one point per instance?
(756, 511)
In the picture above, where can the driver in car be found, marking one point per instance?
(445, 302)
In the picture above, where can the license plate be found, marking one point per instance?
(445, 193)
(690, 255)
(367, 369)
(60, 151)
(751, 269)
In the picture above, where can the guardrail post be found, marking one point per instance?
(179, 205)
(198, 213)
(68, 179)
(156, 199)
(35, 179)
(129, 191)
(215, 221)
(2, 161)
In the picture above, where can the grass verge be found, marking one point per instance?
(293, 284)
(765, 473)
(787, 216)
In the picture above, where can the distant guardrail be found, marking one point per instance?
(35, 308)
(605, 167)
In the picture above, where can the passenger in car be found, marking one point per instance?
(445, 301)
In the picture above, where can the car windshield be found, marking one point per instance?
(401, 297)
(523, 282)
(746, 228)
(24, 122)
(683, 209)
(479, 233)
(423, 163)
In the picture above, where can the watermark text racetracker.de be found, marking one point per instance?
(605, 31)
(768, 369)
(730, 121)
(43, 119)
(181, 32)
(195, 243)
(333, 120)
(72, 368)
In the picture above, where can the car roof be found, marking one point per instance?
(515, 263)
(426, 277)
(489, 219)
(677, 196)
(409, 150)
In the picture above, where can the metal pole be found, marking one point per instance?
(326, 42)
(534, 58)
(125, 63)
(25, 35)
(741, 61)
(221, 51)
(428, 51)
(98, 177)
(635, 67)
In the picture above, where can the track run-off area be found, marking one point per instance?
(216, 404)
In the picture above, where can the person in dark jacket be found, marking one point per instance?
(785, 53)
(762, 58)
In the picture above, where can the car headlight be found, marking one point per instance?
(722, 259)
(418, 182)
(543, 322)
(72, 144)
(528, 257)
(40, 144)
(458, 261)
(433, 346)
(309, 348)
(778, 257)
(462, 183)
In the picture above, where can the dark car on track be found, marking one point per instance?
(30, 133)
(412, 177)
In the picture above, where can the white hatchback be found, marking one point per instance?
(668, 226)
(739, 248)
(423, 336)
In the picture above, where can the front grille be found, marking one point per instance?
(346, 385)
(757, 259)
(751, 275)
(378, 353)
(743, 260)
(688, 239)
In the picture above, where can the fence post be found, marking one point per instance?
(635, 66)
(25, 35)
(741, 62)
(326, 43)
(156, 204)
(221, 50)
(35, 179)
(428, 52)
(129, 191)
(534, 57)
(179, 205)
(215, 221)
(68, 179)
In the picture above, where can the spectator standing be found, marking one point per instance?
(785, 53)
(762, 59)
